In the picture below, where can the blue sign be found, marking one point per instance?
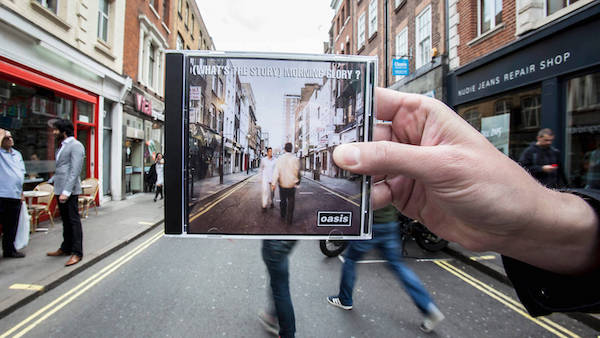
(400, 67)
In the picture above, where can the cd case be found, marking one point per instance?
(249, 141)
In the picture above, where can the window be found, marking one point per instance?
(531, 107)
(473, 117)
(186, 14)
(153, 3)
(220, 88)
(402, 46)
(103, 20)
(179, 42)
(554, 5)
(212, 122)
(214, 84)
(490, 15)
(193, 24)
(503, 107)
(151, 64)
(166, 11)
(372, 17)
(51, 5)
(360, 35)
(398, 3)
(423, 37)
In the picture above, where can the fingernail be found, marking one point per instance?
(350, 155)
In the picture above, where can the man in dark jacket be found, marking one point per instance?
(542, 160)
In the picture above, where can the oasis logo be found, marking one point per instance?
(334, 218)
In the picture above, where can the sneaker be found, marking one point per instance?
(269, 323)
(432, 319)
(335, 301)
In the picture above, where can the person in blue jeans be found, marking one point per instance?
(387, 239)
(279, 318)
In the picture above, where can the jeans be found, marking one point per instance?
(387, 239)
(275, 255)
(287, 203)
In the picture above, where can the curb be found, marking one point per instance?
(5, 312)
(499, 275)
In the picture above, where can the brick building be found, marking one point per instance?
(519, 66)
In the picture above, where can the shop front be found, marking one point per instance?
(548, 79)
(28, 100)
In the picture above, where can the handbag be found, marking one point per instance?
(22, 237)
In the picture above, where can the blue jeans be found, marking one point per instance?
(387, 239)
(275, 255)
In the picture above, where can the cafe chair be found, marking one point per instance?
(89, 195)
(43, 205)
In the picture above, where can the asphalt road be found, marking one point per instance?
(238, 210)
(175, 287)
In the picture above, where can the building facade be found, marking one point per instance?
(64, 59)
(521, 66)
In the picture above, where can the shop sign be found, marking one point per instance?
(195, 93)
(143, 105)
(400, 67)
(158, 115)
(558, 54)
(496, 129)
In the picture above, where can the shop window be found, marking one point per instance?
(490, 15)
(103, 20)
(360, 31)
(531, 107)
(473, 117)
(51, 5)
(372, 17)
(553, 6)
(85, 112)
(503, 107)
(423, 37)
(583, 131)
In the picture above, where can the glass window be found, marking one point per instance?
(360, 35)
(179, 7)
(490, 14)
(372, 17)
(103, 20)
(85, 112)
(179, 42)
(510, 121)
(51, 5)
(151, 65)
(402, 46)
(423, 37)
(186, 14)
(554, 5)
(583, 131)
(166, 11)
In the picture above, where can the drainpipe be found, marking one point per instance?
(385, 30)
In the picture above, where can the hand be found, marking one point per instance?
(435, 168)
(272, 187)
(63, 198)
(548, 168)
(2, 134)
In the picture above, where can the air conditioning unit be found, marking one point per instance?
(5, 93)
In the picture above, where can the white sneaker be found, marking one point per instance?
(335, 301)
(432, 319)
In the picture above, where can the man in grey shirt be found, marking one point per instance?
(67, 186)
(12, 172)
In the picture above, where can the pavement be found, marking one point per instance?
(121, 222)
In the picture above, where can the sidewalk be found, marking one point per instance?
(210, 185)
(117, 224)
(350, 188)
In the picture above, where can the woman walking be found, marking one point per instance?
(159, 168)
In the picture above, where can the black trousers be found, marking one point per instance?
(10, 209)
(287, 203)
(159, 190)
(72, 233)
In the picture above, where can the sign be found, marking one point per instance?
(496, 130)
(560, 53)
(143, 105)
(400, 67)
(195, 93)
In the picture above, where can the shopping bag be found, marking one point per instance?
(22, 237)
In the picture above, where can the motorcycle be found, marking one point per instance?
(408, 229)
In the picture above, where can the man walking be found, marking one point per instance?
(12, 172)
(267, 165)
(386, 238)
(67, 186)
(542, 161)
(287, 175)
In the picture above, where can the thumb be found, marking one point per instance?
(385, 158)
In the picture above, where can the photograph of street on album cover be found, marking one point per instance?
(267, 128)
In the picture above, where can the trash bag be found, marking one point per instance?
(22, 237)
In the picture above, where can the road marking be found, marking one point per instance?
(145, 223)
(54, 306)
(338, 195)
(209, 206)
(506, 300)
(306, 193)
(482, 258)
(28, 287)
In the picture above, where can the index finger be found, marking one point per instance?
(390, 102)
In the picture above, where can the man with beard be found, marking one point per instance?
(67, 186)
(543, 162)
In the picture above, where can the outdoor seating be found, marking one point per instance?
(90, 188)
(42, 206)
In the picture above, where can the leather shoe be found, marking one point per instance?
(73, 260)
(58, 252)
(15, 254)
